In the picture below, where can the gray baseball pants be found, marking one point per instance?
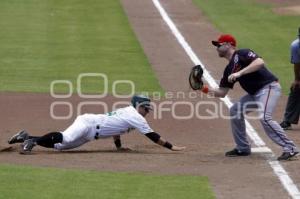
(264, 101)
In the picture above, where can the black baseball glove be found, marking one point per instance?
(195, 78)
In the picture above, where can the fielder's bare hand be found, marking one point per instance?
(234, 76)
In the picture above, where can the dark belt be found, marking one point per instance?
(97, 133)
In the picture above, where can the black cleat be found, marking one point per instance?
(287, 156)
(236, 152)
(19, 137)
(286, 125)
(27, 146)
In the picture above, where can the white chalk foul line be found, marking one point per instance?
(261, 150)
(283, 176)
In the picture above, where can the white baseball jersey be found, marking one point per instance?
(93, 126)
(123, 120)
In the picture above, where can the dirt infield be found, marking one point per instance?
(206, 140)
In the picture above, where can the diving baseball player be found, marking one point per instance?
(90, 127)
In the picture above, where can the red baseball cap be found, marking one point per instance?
(224, 39)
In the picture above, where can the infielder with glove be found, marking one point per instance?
(263, 91)
(90, 127)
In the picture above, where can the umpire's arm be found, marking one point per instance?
(156, 138)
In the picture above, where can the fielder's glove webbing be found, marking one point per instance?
(195, 78)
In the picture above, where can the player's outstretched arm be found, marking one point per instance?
(156, 138)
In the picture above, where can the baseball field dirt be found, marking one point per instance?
(206, 140)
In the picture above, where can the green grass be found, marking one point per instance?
(46, 40)
(255, 26)
(35, 183)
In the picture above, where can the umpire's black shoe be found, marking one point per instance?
(27, 146)
(286, 125)
(287, 156)
(19, 137)
(236, 152)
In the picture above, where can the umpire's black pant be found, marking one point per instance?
(292, 110)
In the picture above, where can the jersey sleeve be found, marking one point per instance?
(140, 123)
(224, 83)
(246, 56)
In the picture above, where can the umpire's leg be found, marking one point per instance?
(292, 110)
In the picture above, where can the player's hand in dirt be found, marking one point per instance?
(178, 148)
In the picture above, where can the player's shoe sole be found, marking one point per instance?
(18, 138)
(27, 146)
(288, 156)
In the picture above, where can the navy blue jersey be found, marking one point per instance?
(251, 82)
